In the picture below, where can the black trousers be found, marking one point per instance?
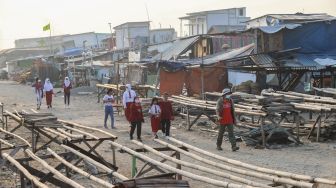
(136, 124)
(67, 98)
(165, 125)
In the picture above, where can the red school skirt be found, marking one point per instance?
(49, 97)
(128, 111)
(155, 123)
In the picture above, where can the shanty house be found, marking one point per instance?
(162, 35)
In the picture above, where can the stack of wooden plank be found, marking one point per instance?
(41, 120)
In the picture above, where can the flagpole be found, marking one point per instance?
(51, 46)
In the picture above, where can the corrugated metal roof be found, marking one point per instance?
(215, 58)
(178, 47)
(301, 16)
(263, 60)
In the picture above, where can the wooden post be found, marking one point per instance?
(297, 120)
(188, 119)
(178, 166)
(98, 95)
(263, 132)
(22, 180)
(318, 129)
(33, 138)
(113, 155)
(133, 170)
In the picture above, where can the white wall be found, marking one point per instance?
(161, 36)
(92, 39)
(129, 35)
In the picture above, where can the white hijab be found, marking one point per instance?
(48, 85)
(66, 82)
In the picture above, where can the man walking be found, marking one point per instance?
(226, 116)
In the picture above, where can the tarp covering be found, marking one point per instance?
(277, 28)
(172, 82)
(316, 37)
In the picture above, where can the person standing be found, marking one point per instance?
(226, 115)
(166, 114)
(67, 86)
(108, 103)
(48, 87)
(155, 112)
(136, 118)
(38, 88)
(128, 99)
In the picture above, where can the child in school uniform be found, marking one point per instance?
(136, 118)
(155, 113)
(108, 103)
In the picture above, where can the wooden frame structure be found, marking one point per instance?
(61, 133)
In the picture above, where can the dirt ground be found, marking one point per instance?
(315, 159)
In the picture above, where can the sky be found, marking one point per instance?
(25, 18)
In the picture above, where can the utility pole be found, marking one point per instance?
(202, 69)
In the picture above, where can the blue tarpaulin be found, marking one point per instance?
(315, 37)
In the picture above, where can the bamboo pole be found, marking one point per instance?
(32, 178)
(57, 133)
(236, 170)
(245, 165)
(17, 136)
(53, 170)
(6, 143)
(16, 118)
(201, 168)
(181, 172)
(80, 171)
(108, 170)
(75, 136)
(82, 132)
(88, 128)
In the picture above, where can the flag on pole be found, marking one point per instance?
(46, 27)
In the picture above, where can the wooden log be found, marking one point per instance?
(16, 136)
(82, 132)
(75, 136)
(6, 143)
(201, 168)
(181, 172)
(24, 171)
(53, 170)
(244, 165)
(237, 170)
(57, 133)
(48, 118)
(88, 128)
(16, 118)
(108, 170)
(80, 171)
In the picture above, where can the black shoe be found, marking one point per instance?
(139, 139)
(131, 137)
(105, 127)
(219, 148)
(156, 137)
(235, 148)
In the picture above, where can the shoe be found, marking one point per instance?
(105, 127)
(235, 148)
(113, 127)
(139, 139)
(219, 148)
(131, 137)
(156, 137)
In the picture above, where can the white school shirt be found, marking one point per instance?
(155, 109)
(128, 96)
(106, 98)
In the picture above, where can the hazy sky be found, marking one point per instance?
(25, 18)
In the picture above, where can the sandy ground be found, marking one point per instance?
(315, 159)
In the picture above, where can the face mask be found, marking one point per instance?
(228, 96)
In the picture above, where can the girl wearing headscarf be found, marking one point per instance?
(67, 86)
(38, 88)
(48, 87)
(155, 112)
(128, 99)
(108, 103)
